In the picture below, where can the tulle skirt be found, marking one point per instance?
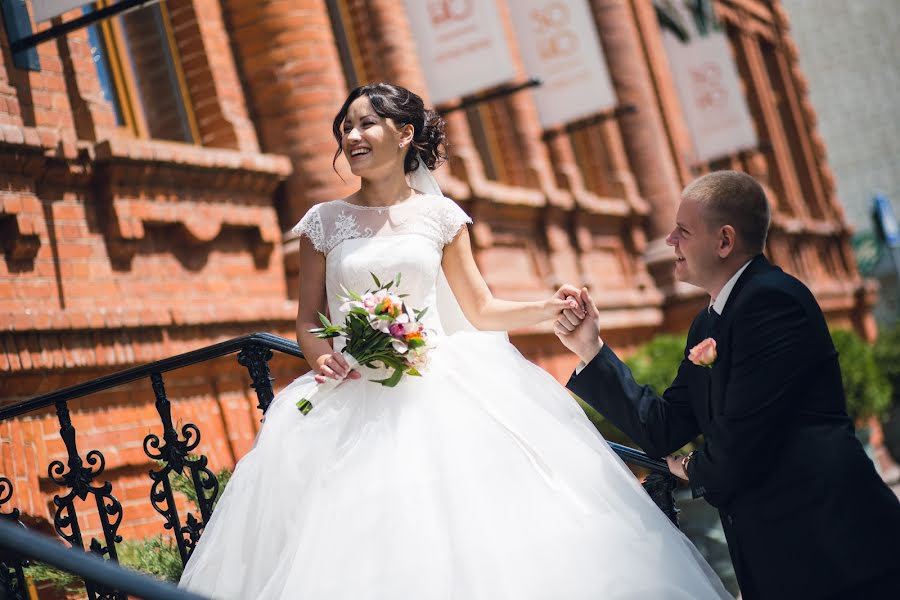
(483, 479)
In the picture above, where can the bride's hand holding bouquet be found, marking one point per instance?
(379, 330)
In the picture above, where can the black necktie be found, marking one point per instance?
(712, 318)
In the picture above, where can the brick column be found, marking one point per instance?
(643, 132)
(295, 85)
(661, 71)
(211, 74)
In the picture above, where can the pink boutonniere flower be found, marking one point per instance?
(704, 353)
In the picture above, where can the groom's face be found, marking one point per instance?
(695, 245)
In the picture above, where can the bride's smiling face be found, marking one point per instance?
(373, 145)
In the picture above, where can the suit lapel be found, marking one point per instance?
(721, 332)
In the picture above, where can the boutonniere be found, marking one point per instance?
(704, 353)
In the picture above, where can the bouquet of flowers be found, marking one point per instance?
(380, 330)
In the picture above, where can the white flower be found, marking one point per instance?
(399, 345)
(382, 325)
(351, 304)
(419, 358)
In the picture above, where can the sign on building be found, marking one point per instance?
(461, 46)
(47, 9)
(706, 78)
(559, 44)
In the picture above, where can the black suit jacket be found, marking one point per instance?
(804, 511)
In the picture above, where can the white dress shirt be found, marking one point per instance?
(718, 303)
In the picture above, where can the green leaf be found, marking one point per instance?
(378, 283)
(414, 372)
(420, 313)
(393, 380)
(351, 294)
(325, 320)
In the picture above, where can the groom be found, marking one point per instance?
(804, 512)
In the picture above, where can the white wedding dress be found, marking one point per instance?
(480, 480)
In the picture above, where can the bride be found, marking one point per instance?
(482, 479)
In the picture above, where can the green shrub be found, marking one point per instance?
(656, 362)
(887, 357)
(865, 386)
(156, 555)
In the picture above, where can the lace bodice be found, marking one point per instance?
(407, 238)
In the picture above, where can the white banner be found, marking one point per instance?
(559, 44)
(47, 9)
(708, 84)
(461, 46)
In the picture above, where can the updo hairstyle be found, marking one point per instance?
(404, 108)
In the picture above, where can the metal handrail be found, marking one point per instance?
(266, 340)
(18, 541)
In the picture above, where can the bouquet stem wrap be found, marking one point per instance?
(305, 404)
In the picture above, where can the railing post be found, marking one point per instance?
(661, 488)
(174, 454)
(78, 479)
(12, 573)
(256, 359)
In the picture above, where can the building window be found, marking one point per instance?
(345, 19)
(141, 76)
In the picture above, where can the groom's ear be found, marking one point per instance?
(727, 241)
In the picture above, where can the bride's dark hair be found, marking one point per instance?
(404, 108)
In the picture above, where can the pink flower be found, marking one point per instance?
(369, 302)
(396, 330)
(704, 353)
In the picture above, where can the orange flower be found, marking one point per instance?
(387, 307)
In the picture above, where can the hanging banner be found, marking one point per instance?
(47, 9)
(706, 78)
(461, 46)
(559, 44)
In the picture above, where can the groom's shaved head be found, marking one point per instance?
(736, 199)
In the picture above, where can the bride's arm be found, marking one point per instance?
(318, 352)
(478, 304)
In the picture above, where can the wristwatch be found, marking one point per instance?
(686, 460)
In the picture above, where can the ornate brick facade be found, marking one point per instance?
(119, 250)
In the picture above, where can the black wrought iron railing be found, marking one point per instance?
(176, 451)
(24, 544)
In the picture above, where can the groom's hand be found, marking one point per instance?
(580, 331)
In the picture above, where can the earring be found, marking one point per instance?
(401, 144)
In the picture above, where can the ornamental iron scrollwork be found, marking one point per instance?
(661, 489)
(174, 455)
(256, 358)
(79, 479)
(12, 566)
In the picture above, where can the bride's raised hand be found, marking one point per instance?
(333, 366)
(566, 302)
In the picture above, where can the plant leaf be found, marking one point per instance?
(393, 380)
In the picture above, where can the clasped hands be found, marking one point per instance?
(579, 328)
(579, 331)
